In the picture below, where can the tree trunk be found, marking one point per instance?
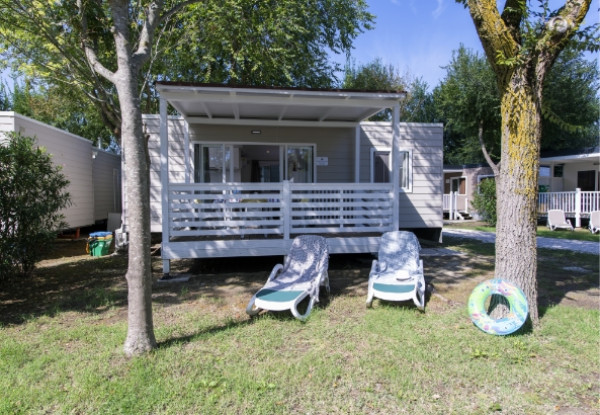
(516, 187)
(140, 331)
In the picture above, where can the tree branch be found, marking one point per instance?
(90, 53)
(512, 15)
(496, 37)
(152, 20)
(493, 165)
(145, 40)
(557, 31)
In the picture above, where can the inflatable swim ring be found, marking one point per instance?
(516, 300)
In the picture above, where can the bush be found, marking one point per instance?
(484, 201)
(32, 196)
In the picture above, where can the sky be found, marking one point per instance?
(417, 37)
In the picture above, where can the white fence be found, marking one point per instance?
(280, 209)
(455, 204)
(575, 204)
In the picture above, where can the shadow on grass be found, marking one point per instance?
(84, 284)
(95, 285)
(178, 340)
(564, 277)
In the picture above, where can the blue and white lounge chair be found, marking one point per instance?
(303, 273)
(397, 274)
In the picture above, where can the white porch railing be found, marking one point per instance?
(280, 209)
(455, 204)
(575, 204)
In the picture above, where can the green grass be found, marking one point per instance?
(346, 359)
(579, 234)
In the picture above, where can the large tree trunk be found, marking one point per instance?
(516, 188)
(140, 331)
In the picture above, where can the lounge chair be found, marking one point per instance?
(557, 220)
(397, 274)
(302, 274)
(594, 225)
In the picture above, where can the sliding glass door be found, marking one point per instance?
(253, 163)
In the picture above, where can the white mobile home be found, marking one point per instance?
(244, 170)
(94, 174)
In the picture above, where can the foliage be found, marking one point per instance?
(35, 47)
(374, 76)
(237, 42)
(571, 104)
(468, 95)
(62, 108)
(33, 193)
(266, 43)
(484, 201)
(419, 105)
(5, 99)
(466, 98)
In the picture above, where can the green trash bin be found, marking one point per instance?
(98, 243)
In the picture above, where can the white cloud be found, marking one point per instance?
(439, 10)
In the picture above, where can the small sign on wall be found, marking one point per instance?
(321, 161)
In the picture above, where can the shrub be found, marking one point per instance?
(484, 201)
(32, 196)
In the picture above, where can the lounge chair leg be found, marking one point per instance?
(369, 299)
(302, 317)
(250, 310)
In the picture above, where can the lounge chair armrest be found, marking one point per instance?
(373, 266)
(276, 269)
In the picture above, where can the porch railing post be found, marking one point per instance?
(286, 210)
(578, 207)
(164, 180)
(396, 167)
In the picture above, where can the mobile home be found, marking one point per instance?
(94, 174)
(242, 171)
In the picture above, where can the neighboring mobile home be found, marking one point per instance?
(460, 185)
(94, 174)
(568, 180)
(244, 170)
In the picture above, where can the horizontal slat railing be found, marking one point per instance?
(340, 208)
(224, 210)
(280, 209)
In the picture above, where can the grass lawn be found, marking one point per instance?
(579, 234)
(62, 331)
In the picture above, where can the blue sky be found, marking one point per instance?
(418, 36)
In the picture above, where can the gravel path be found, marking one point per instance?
(550, 243)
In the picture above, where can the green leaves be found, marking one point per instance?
(266, 43)
(32, 196)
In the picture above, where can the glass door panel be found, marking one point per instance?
(300, 164)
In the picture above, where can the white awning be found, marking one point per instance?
(211, 104)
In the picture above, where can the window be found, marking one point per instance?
(381, 166)
(212, 163)
(300, 164)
